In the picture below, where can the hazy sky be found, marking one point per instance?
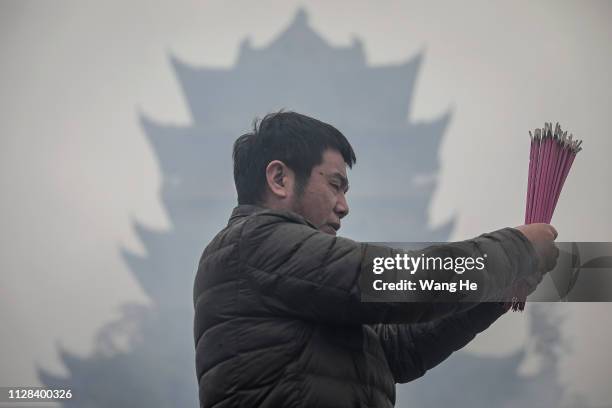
(77, 169)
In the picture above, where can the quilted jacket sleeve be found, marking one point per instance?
(413, 349)
(300, 272)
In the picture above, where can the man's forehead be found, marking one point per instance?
(333, 163)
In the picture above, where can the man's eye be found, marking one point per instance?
(335, 186)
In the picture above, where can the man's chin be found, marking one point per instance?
(328, 229)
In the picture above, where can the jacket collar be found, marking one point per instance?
(245, 210)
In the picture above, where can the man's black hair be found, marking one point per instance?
(295, 139)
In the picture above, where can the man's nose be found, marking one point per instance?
(342, 208)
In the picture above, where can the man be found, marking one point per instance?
(279, 320)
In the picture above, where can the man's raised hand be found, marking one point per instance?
(542, 236)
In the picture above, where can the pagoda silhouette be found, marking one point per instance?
(146, 358)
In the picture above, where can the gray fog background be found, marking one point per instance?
(80, 79)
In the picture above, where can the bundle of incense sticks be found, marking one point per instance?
(551, 157)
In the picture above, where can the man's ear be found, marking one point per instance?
(279, 178)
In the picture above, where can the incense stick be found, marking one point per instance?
(550, 160)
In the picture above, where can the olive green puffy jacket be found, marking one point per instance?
(279, 320)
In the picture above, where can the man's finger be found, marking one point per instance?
(554, 231)
(550, 257)
(551, 263)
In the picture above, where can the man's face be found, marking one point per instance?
(323, 200)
